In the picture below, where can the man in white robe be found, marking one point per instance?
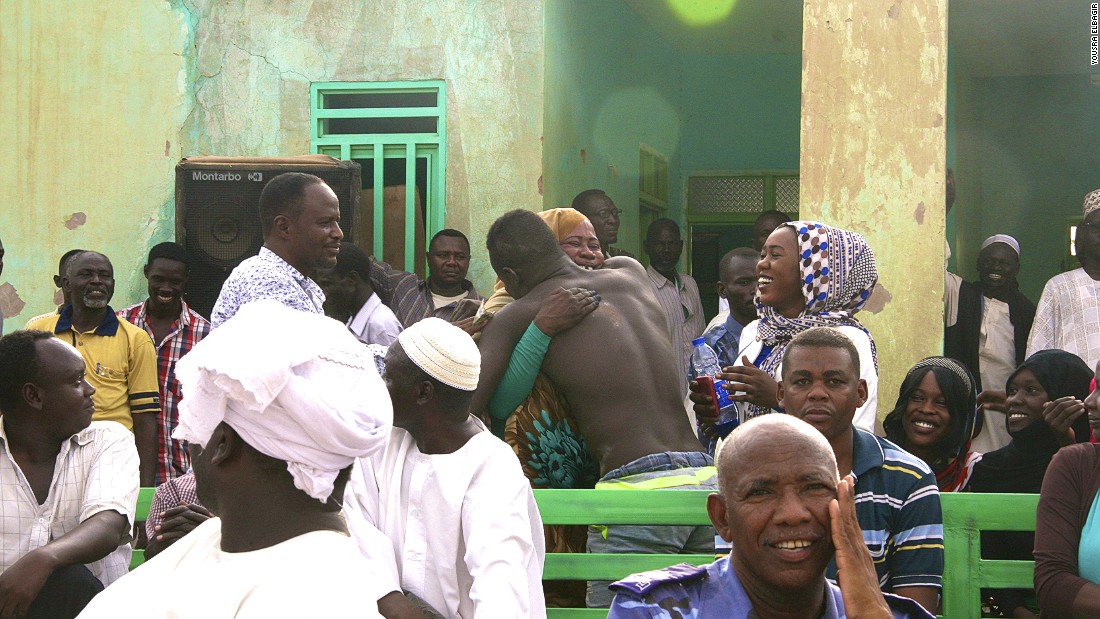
(464, 533)
(277, 406)
(1068, 315)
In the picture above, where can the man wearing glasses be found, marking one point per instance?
(1068, 316)
(601, 211)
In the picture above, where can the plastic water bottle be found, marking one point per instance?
(704, 364)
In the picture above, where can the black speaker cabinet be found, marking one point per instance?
(217, 211)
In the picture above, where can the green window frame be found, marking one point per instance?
(381, 146)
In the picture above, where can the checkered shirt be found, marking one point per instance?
(188, 330)
(95, 471)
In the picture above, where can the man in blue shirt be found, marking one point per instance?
(781, 503)
(737, 285)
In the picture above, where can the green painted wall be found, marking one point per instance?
(98, 117)
(1033, 141)
(741, 112)
(611, 84)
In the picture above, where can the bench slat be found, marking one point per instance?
(623, 506)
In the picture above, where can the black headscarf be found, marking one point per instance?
(957, 385)
(1020, 466)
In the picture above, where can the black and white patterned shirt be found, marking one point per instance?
(266, 276)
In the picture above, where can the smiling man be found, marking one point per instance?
(787, 513)
(300, 220)
(119, 357)
(898, 502)
(990, 334)
(175, 329)
(68, 485)
(677, 292)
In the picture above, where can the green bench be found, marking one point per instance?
(964, 517)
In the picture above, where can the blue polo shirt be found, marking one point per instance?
(898, 506)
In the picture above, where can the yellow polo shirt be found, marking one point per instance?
(120, 362)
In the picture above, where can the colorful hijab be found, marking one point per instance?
(954, 462)
(838, 274)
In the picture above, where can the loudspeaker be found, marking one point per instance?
(217, 211)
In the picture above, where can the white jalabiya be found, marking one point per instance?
(318, 574)
(1068, 317)
(296, 386)
(996, 362)
(462, 530)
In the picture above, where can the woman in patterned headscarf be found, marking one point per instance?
(935, 418)
(809, 275)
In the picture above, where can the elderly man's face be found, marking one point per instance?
(90, 280)
(774, 508)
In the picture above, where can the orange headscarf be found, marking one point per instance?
(562, 221)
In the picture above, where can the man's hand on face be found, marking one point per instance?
(21, 583)
(855, 571)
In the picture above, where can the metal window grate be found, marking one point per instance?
(786, 194)
(726, 194)
(388, 126)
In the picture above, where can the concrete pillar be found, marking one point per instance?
(874, 91)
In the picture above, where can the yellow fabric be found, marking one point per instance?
(562, 221)
(122, 368)
(699, 476)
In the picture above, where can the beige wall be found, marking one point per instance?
(102, 99)
(873, 156)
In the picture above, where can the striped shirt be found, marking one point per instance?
(188, 330)
(95, 471)
(683, 314)
(410, 298)
(898, 507)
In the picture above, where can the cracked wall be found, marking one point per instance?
(103, 99)
(90, 95)
(873, 155)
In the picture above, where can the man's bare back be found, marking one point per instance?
(615, 368)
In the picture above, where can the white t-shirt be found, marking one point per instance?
(461, 530)
(318, 574)
(866, 415)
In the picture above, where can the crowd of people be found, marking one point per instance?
(343, 438)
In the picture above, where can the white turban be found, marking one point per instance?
(444, 352)
(1003, 238)
(295, 386)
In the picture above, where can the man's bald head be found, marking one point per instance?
(761, 433)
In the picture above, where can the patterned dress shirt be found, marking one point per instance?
(266, 276)
(188, 330)
(410, 298)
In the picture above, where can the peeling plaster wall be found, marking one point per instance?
(102, 100)
(88, 140)
(612, 83)
(872, 158)
(254, 63)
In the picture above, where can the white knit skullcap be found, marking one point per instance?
(1092, 202)
(1003, 238)
(296, 386)
(445, 352)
